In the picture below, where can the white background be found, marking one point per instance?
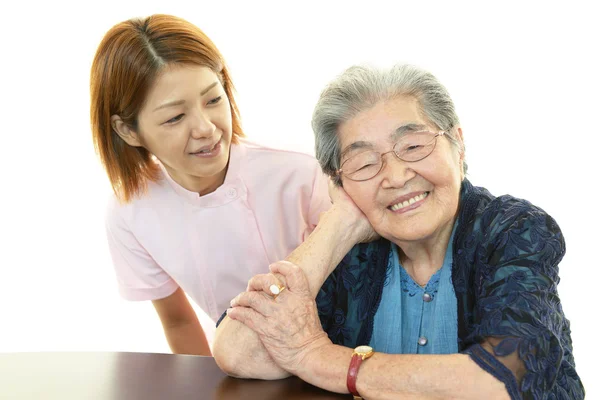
(524, 77)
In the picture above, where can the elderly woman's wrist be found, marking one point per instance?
(346, 223)
(311, 357)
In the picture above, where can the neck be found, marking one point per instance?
(208, 185)
(200, 185)
(423, 258)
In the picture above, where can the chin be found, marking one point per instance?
(213, 170)
(411, 232)
(407, 236)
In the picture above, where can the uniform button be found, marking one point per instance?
(427, 298)
(422, 341)
(231, 193)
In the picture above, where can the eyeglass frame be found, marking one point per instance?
(435, 137)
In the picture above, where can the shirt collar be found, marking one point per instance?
(231, 189)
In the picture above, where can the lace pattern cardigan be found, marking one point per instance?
(506, 253)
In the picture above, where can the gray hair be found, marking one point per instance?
(360, 88)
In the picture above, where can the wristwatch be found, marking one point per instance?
(360, 354)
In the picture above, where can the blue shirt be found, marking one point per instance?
(426, 317)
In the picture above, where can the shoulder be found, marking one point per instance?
(507, 228)
(273, 157)
(494, 214)
(157, 194)
(509, 213)
(280, 170)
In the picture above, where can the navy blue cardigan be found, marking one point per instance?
(505, 272)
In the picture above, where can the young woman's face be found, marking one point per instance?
(186, 123)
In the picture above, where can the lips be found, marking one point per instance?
(409, 201)
(206, 149)
(407, 197)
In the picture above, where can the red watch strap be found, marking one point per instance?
(353, 373)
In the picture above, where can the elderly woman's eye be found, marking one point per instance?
(413, 147)
(366, 166)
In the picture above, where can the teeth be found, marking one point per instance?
(408, 202)
(208, 150)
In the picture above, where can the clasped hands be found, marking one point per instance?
(287, 324)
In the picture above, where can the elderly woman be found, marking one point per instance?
(415, 284)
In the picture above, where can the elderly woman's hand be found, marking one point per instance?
(346, 208)
(287, 324)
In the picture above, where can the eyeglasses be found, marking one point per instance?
(412, 147)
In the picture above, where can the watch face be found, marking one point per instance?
(363, 349)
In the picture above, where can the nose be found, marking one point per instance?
(202, 126)
(395, 172)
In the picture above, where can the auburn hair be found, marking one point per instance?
(128, 60)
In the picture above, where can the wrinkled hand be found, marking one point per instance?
(345, 207)
(287, 325)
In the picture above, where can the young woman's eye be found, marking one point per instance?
(215, 100)
(174, 119)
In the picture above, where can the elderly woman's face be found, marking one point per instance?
(430, 186)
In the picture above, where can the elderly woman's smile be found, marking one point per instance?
(404, 201)
(408, 202)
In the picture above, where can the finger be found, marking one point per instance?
(331, 189)
(258, 301)
(293, 275)
(335, 191)
(263, 282)
(256, 282)
(248, 317)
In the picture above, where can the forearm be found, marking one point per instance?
(187, 338)
(323, 250)
(239, 352)
(237, 349)
(387, 376)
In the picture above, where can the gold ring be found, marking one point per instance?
(276, 290)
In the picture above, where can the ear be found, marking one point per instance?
(125, 132)
(459, 137)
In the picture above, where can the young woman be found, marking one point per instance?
(197, 209)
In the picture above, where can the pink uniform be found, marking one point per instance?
(210, 246)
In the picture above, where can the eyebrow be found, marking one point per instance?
(397, 134)
(407, 128)
(179, 102)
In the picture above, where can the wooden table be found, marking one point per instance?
(132, 376)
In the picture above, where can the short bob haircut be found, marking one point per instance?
(129, 59)
(361, 87)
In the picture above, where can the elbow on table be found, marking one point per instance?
(243, 365)
(226, 357)
(241, 358)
